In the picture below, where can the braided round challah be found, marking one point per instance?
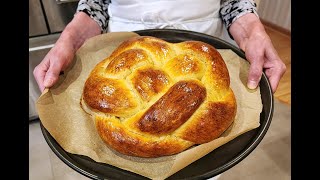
(152, 98)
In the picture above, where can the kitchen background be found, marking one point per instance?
(270, 160)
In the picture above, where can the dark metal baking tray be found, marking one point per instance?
(214, 163)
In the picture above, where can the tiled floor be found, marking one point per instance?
(272, 157)
(43, 163)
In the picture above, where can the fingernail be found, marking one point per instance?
(252, 84)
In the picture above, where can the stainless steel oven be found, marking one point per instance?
(47, 19)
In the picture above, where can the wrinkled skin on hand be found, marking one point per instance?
(57, 60)
(61, 55)
(252, 38)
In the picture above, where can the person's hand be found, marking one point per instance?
(252, 38)
(61, 55)
(57, 60)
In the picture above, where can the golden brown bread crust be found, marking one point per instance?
(173, 109)
(153, 98)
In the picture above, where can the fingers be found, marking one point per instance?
(255, 57)
(264, 57)
(47, 72)
(57, 59)
(255, 72)
(52, 75)
(39, 73)
(275, 68)
(273, 80)
(274, 74)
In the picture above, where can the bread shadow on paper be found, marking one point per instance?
(142, 159)
(66, 79)
(227, 131)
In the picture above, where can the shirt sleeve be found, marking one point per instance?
(231, 10)
(97, 10)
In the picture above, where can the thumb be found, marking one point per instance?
(255, 73)
(52, 75)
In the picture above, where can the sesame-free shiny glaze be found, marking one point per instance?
(152, 98)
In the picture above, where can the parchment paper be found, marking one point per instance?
(60, 112)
